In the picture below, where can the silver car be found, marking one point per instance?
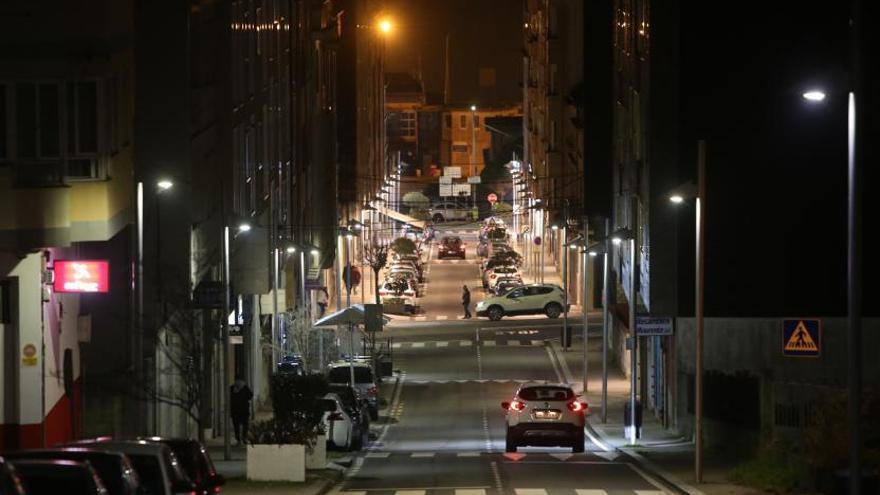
(446, 211)
(545, 414)
(364, 382)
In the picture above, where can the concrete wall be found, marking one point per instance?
(753, 347)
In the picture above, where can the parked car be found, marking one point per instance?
(291, 365)
(451, 247)
(344, 425)
(403, 268)
(114, 468)
(56, 476)
(544, 414)
(338, 373)
(353, 399)
(490, 274)
(409, 265)
(195, 462)
(10, 482)
(156, 465)
(504, 284)
(528, 299)
(446, 211)
(405, 275)
(386, 293)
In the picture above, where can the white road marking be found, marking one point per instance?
(396, 345)
(378, 455)
(421, 318)
(468, 454)
(470, 492)
(561, 457)
(650, 479)
(591, 492)
(395, 403)
(537, 342)
(530, 491)
(513, 342)
(424, 454)
(442, 317)
(464, 343)
(649, 492)
(442, 343)
(497, 475)
(418, 344)
(409, 492)
(488, 343)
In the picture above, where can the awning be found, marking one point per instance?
(400, 217)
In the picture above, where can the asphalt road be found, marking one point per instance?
(443, 430)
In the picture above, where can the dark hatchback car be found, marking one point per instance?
(10, 483)
(56, 476)
(196, 463)
(115, 469)
(451, 247)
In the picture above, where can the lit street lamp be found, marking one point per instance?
(678, 197)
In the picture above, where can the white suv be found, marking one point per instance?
(364, 382)
(545, 414)
(531, 299)
(443, 212)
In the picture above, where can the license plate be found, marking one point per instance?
(546, 414)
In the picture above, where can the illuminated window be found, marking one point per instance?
(462, 121)
(408, 124)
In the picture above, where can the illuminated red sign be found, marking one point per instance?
(82, 276)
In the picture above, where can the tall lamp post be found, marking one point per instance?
(854, 264)
(595, 250)
(473, 153)
(617, 238)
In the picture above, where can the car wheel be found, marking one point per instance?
(438, 218)
(495, 313)
(577, 445)
(553, 310)
(510, 442)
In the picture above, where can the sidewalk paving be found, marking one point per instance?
(662, 452)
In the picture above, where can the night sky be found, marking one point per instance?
(482, 33)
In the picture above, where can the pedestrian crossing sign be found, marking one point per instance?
(802, 338)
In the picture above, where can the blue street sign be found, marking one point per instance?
(802, 338)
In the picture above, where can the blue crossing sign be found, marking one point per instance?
(802, 338)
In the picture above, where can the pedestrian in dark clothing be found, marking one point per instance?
(240, 396)
(466, 301)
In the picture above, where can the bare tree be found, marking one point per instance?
(376, 256)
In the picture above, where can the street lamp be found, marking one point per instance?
(604, 248)
(698, 193)
(617, 238)
(854, 264)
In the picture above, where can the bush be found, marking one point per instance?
(298, 406)
(778, 467)
(402, 245)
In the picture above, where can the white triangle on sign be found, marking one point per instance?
(561, 457)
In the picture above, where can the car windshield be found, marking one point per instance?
(451, 241)
(545, 393)
(342, 374)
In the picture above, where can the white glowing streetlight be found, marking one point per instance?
(164, 185)
(814, 95)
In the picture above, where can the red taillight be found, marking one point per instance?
(372, 391)
(336, 416)
(492, 276)
(576, 406)
(216, 489)
(517, 405)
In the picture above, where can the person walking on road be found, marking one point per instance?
(466, 301)
(240, 396)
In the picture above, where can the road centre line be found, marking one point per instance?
(395, 402)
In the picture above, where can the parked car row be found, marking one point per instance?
(401, 286)
(113, 466)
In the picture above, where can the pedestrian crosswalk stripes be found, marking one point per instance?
(484, 491)
(464, 343)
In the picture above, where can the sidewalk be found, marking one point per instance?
(318, 482)
(661, 452)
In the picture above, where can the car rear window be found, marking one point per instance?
(149, 471)
(342, 374)
(546, 393)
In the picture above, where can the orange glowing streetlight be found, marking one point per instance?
(385, 26)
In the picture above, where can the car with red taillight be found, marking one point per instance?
(545, 415)
(451, 247)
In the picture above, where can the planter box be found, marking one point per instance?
(317, 458)
(276, 462)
